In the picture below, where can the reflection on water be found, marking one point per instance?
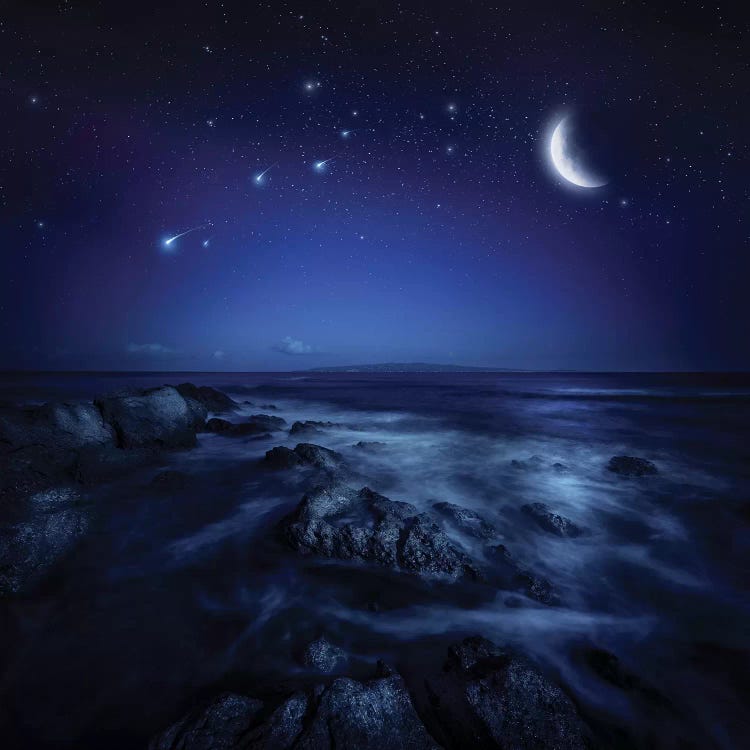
(182, 592)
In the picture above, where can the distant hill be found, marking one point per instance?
(407, 367)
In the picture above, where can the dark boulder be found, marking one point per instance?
(220, 725)
(268, 422)
(212, 399)
(304, 454)
(531, 463)
(170, 479)
(508, 574)
(490, 697)
(339, 522)
(631, 466)
(370, 446)
(38, 532)
(552, 522)
(155, 418)
(323, 656)
(309, 426)
(258, 424)
(467, 520)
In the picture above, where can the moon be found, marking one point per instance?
(567, 158)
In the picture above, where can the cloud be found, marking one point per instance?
(218, 354)
(288, 345)
(149, 349)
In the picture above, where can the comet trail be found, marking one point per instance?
(259, 177)
(319, 165)
(168, 242)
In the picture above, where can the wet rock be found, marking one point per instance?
(220, 725)
(631, 466)
(304, 454)
(282, 728)
(155, 418)
(608, 667)
(491, 697)
(323, 656)
(551, 522)
(339, 522)
(467, 520)
(268, 422)
(533, 462)
(258, 424)
(508, 574)
(309, 426)
(43, 531)
(211, 398)
(170, 480)
(559, 468)
(370, 715)
(371, 446)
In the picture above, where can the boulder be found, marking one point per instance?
(490, 697)
(39, 531)
(212, 399)
(338, 522)
(155, 418)
(309, 426)
(219, 725)
(371, 446)
(235, 429)
(169, 480)
(323, 656)
(551, 522)
(304, 454)
(631, 466)
(466, 520)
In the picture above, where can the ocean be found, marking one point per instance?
(178, 595)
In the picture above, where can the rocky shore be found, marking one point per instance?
(479, 695)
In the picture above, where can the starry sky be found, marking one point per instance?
(408, 209)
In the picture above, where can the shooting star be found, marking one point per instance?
(170, 240)
(320, 166)
(258, 179)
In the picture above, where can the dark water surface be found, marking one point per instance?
(177, 595)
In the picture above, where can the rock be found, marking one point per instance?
(170, 480)
(370, 446)
(467, 520)
(490, 697)
(220, 725)
(258, 424)
(309, 426)
(550, 521)
(212, 399)
(631, 466)
(509, 575)
(304, 454)
(323, 656)
(44, 531)
(608, 667)
(339, 522)
(155, 418)
(533, 462)
(371, 715)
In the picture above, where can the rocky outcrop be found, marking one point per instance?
(155, 418)
(631, 466)
(323, 656)
(371, 446)
(466, 520)
(369, 715)
(551, 522)
(338, 522)
(212, 399)
(258, 424)
(304, 454)
(37, 532)
(508, 574)
(490, 697)
(309, 427)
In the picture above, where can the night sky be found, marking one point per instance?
(437, 228)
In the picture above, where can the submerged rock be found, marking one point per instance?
(491, 697)
(170, 479)
(323, 656)
(339, 522)
(153, 418)
(220, 725)
(44, 531)
(304, 454)
(370, 715)
(309, 426)
(370, 446)
(212, 399)
(631, 466)
(510, 575)
(552, 522)
(258, 424)
(467, 520)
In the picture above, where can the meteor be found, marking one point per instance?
(259, 177)
(168, 242)
(321, 165)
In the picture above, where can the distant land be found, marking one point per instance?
(408, 367)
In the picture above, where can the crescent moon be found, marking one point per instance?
(565, 162)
